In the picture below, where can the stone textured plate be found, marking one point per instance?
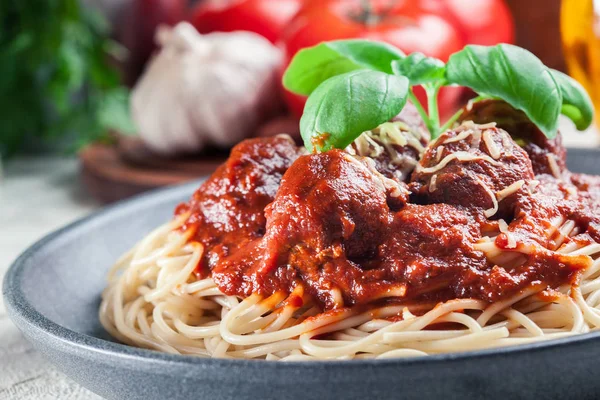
(53, 291)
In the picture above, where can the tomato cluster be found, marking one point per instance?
(436, 28)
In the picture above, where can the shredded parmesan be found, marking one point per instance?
(490, 211)
(532, 185)
(460, 156)
(386, 184)
(461, 136)
(502, 225)
(390, 130)
(472, 125)
(476, 140)
(439, 152)
(399, 133)
(362, 146)
(350, 150)
(491, 146)
(374, 142)
(377, 149)
(394, 157)
(432, 183)
(507, 191)
(553, 165)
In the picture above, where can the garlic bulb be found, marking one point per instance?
(205, 89)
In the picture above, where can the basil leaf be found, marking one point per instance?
(420, 69)
(512, 74)
(576, 103)
(346, 105)
(312, 66)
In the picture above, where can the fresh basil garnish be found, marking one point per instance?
(314, 65)
(346, 105)
(576, 103)
(419, 69)
(512, 74)
(355, 85)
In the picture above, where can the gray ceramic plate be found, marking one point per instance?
(53, 291)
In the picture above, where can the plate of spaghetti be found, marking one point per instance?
(389, 254)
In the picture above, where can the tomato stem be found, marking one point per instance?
(366, 14)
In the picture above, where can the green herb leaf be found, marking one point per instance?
(512, 74)
(314, 65)
(346, 105)
(420, 69)
(576, 103)
(57, 82)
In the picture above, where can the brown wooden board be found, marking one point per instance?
(112, 173)
(115, 172)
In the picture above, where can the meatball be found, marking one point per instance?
(228, 209)
(395, 146)
(472, 166)
(335, 197)
(548, 156)
(330, 213)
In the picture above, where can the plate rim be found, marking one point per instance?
(29, 320)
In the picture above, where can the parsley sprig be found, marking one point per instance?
(56, 77)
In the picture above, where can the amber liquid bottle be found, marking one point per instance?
(580, 30)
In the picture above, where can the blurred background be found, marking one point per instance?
(146, 93)
(130, 95)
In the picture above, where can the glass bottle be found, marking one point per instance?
(580, 30)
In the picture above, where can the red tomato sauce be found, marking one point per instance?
(273, 217)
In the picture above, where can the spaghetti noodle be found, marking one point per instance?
(155, 301)
(287, 256)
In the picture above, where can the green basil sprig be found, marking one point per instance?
(314, 65)
(512, 74)
(420, 69)
(576, 103)
(355, 85)
(344, 106)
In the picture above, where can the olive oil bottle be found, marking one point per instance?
(580, 30)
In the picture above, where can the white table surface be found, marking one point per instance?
(37, 196)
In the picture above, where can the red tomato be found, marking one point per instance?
(485, 22)
(265, 17)
(409, 25)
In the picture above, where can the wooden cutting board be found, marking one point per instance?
(114, 172)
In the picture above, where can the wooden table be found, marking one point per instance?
(37, 195)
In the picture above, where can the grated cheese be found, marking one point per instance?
(460, 156)
(553, 165)
(491, 146)
(432, 183)
(507, 191)
(490, 211)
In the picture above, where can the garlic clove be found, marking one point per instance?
(205, 89)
